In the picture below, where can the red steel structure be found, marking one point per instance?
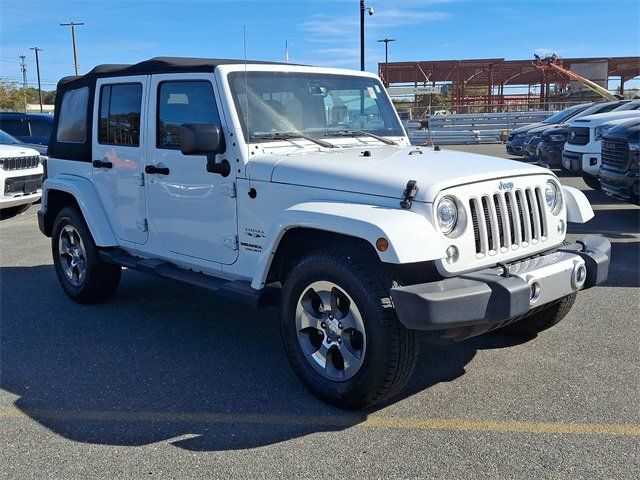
(494, 74)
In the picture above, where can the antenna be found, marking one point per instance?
(246, 96)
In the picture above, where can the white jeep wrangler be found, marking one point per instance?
(297, 186)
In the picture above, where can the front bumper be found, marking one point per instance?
(515, 146)
(581, 163)
(550, 153)
(490, 297)
(621, 185)
(531, 148)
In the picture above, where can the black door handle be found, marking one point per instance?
(151, 169)
(101, 164)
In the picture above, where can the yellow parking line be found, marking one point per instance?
(401, 423)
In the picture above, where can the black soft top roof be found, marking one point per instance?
(159, 65)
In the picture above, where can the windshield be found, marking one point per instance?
(564, 115)
(316, 105)
(6, 139)
(628, 106)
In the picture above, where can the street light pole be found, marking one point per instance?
(386, 59)
(362, 35)
(73, 40)
(36, 49)
(369, 10)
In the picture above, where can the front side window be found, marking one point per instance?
(183, 102)
(72, 124)
(317, 105)
(120, 107)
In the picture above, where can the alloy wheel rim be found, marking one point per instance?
(73, 257)
(330, 331)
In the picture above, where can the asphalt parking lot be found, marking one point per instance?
(167, 381)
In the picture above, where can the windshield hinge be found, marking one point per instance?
(143, 225)
(230, 241)
(409, 194)
(139, 179)
(228, 189)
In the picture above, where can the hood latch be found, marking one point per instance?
(409, 194)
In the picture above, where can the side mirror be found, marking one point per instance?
(205, 139)
(201, 139)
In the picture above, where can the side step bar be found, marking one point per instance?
(238, 290)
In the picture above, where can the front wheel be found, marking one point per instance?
(592, 182)
(543, 319)
(83, 275)
(340, 331)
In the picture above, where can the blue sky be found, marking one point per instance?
(321, 32)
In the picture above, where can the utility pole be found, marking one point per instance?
(386, 59)
(73, 26)
(23, 68)
(36, 49)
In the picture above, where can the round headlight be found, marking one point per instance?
(447, 214)
(551, 194)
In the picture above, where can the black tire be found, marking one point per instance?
(592, 182)
(541, 320)
(13, 211)
(391, 350)
(100, 279)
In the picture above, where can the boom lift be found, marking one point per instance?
(553, 63)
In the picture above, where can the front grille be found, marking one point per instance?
(615, 153)
(578, 136)
(20, 163)
(507, 220)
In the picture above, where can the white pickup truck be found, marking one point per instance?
(582, 150)
(296, 186)
(20, 178)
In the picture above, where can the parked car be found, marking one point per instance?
(20, 179)
(515, 140)
(266, 183)
(6, 139)
(620, 169)
(546, 145)
(27, 127)
(582, 151)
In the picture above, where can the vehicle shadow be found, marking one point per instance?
(168, 362)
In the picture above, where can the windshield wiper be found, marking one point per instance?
(291, 136)
(355, 133)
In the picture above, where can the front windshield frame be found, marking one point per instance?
(391, 125)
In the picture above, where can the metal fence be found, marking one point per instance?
(469, 128)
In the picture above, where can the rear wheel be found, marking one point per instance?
(83, 275)
(592, 182)
(340, 331)
(543, 319)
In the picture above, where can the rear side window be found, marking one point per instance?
(183, 102)
(72, 124)
(17, 128)
(40, 128)
(120, 107)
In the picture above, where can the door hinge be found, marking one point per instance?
(139, 179)
(143, 225)
(228, 189)
(230, 241)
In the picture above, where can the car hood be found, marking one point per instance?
(530, 126)
(603, 118)
(17, 151)
(386, 171)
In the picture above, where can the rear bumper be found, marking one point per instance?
(488, 297)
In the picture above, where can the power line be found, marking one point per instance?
(118, 38)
